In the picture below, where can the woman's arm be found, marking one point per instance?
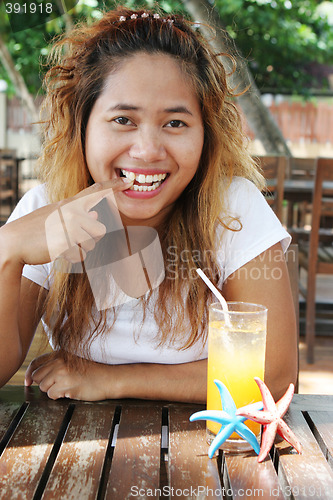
(180, 382)
(19, 313)
(19, 317)
(69, 229)
(10, 341)
(265, 280)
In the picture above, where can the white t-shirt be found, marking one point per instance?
(130, 341)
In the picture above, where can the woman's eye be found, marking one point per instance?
(122, 120)
(176, 124)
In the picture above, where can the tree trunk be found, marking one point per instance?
(17, 80)
(67, 17)
(257, 114)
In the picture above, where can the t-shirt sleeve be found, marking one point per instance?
(32, 200)
(257, 230)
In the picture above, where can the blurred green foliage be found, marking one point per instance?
(286, 42)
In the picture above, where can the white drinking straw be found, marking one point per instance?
(217, 294)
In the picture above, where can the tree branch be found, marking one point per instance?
(17, 80)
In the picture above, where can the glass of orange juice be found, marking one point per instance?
(236, 354)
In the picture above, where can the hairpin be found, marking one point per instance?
(144, 15)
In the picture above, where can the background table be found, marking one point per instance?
(302, 190)
(145, 449)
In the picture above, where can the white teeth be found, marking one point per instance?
(129, 175)
(142, 178)
(135, 187)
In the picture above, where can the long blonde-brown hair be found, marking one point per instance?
(80, 62)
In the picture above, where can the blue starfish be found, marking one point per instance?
(229, 420)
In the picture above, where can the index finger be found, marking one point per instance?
(34, 364)
(95, 193)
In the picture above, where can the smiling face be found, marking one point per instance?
(146, 124)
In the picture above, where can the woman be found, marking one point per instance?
(136, 101)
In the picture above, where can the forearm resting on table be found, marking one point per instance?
(19, 311)
(186, 382)
(11, 347)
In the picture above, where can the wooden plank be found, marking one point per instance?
(24, 459)
(135, 464)
(307, 475)
(21, 394)
(322, 429)
(191, 473)
(309, 402)
(10, 394)
(243, 477)
(7, 413)
(324, 268)
(78, 467)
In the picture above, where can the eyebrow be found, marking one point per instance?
(130, 107)
(178, 109)
(123, 107)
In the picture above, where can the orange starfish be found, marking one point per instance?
(271, 418)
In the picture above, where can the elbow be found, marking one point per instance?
(279, 380)
(9, 366)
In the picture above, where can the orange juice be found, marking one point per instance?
(236, 354)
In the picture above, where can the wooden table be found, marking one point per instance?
(296, 190)
(300, 191)
(126, 449)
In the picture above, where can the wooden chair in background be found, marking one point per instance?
(274, 171)
(316, 251)
(8, 183)
(301, 169)
(293, 270)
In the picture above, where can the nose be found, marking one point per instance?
(147, 147)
